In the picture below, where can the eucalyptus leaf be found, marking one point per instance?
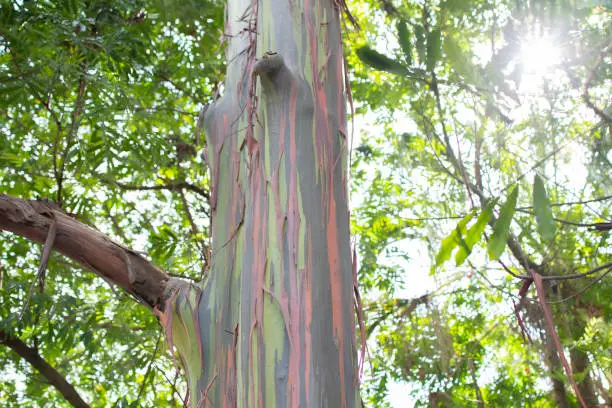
(474, 234)
(454, 239)
(434, 48)
(379, 61)
(403, 35)
(501, 229)
(543, 210)
(420, 40)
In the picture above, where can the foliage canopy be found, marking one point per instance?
(481, 153)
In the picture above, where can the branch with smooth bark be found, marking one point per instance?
(32, 356)
(170, 186)
(114, 262)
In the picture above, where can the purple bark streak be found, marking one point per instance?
(292, 117)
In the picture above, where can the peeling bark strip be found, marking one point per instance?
(32, 356)
(552, 332)
(92, 249)
(273, 324)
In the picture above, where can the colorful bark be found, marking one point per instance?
(273, 324)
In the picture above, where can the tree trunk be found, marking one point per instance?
(272, 324)
(580, 364)
(551, 358)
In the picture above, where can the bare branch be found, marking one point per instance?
(477, 167)
(74, 128)
(173, 384)
(169, 187)
(32, 356)
(594, 226)
(114, 262)
(585, 93)
(573, 276)
(194, 227)
(588, 286)
(592, 200)
(472, 368)
(149, 367)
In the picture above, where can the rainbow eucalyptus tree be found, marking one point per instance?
(272, 322)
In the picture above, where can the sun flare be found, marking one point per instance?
(539, 56)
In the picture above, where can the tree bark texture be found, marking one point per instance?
(554, 369)
(272, 325)
(580, 364)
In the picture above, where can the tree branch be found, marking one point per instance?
(149, 367)
(32, 356)
(169, 186)
(594, 226)
(472, 368)
(573, 276)
(592, 200)
(588, 286)
(88, 247)
(585, 93)
(74, 128)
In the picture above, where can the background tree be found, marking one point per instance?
(99, 108)
(494, 113)
(460, 104)
(270, 320)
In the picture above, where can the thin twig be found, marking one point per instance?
(169, 186)
(172, 385)
(589, 285)
(479, 399)
(592, 200)
(535, 166)
(194, 227)
(568, 277)
(74, 128)
(561, 221)
(585, 93)
(44, 102)
(457, 162)
(44, 259)
(148, 372)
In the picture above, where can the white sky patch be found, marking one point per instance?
(539, 57)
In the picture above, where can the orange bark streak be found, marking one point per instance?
(336, 286)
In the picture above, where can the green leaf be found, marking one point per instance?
(459, 59)
(452, 240)
(419, 33)
(457, 7)
(474, 233)
(86, 338)
(404, 40)
(434, 48)
(10, 158)
(379, 61)
(543, 210)
(501, 229)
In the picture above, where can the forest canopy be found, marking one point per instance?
(480, 186)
